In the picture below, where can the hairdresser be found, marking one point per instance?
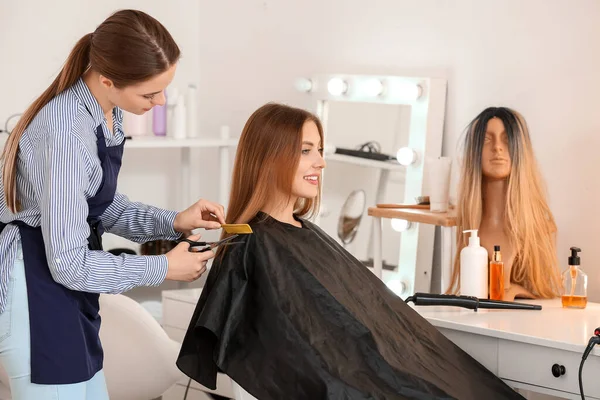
(57, 197)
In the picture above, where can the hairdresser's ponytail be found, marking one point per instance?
(75, 66)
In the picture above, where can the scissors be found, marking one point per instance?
(208, 245)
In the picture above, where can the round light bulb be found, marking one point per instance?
(329, 149)
(400, 225)
(373, 87)
(303, 85)
(405, 91)
(406, 156)
(396, 286)
(411, 91)
(337, 86)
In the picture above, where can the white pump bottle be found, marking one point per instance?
(474, 268)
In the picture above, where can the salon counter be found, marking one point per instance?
(520, 346)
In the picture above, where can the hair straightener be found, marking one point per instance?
(470, 302)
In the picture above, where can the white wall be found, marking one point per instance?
(538, 56)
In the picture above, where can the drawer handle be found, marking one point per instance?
(558, 370)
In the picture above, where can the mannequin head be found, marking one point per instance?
(497, 143)
(497, 146)
(495, 155)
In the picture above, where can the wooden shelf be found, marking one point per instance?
(365, 162)
(421, 216)
(162, 142)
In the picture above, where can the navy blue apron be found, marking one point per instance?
(65, 324)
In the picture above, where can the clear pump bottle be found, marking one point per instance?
(574, 283)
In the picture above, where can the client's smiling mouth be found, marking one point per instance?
(313, 179)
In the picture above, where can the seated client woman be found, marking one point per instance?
(501, 193)
(289, 314)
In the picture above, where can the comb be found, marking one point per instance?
(240, 229)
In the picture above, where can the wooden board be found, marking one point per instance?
(421, 216)
(413, 206)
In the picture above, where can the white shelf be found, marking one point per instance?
(365, 162)
(161, 142)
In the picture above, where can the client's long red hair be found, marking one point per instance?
(267, 156)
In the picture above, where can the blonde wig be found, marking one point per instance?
(529, 223)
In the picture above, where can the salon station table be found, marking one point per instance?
(520, 346)
(445, 220)
(528, 348)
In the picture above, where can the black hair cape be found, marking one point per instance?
(290, 314)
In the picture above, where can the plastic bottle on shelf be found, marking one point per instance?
(191, 111)
(159, 119)
(179, 119)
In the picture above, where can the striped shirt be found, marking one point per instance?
(58, 170)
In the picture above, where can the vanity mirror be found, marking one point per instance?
(397, 122)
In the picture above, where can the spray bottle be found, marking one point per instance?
(474, 268)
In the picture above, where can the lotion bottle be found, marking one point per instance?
(474, 268)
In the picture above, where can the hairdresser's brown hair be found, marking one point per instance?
(267, 157)
(128, 48)
(529, 222)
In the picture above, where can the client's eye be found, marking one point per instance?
(305, 151)
(149, 96)
(321, 151)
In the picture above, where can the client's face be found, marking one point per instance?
(495, 158)
(308, 174)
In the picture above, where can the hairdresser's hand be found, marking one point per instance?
(202, 214)
(187, 266)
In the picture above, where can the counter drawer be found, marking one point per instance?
(517, 360)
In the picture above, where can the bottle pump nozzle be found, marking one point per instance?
(473, 239)
(574, 259)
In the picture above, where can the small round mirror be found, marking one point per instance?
(11, 122)
(350, 216)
